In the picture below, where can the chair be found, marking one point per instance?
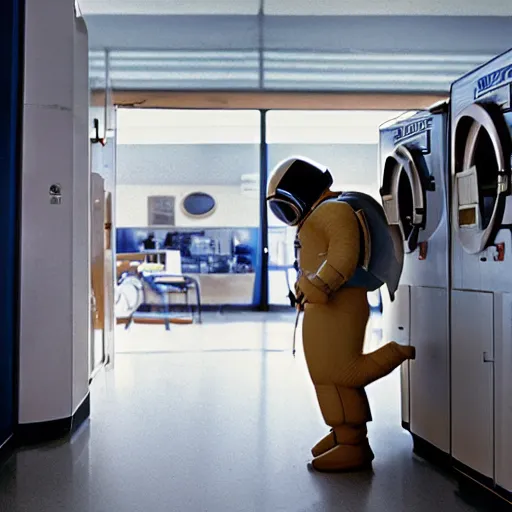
(172, 281)
(167, 285)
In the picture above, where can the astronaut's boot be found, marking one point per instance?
(325, 444)
(352, 451)
(328, 442)
(346, 411)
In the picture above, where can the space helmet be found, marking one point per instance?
(295, 186)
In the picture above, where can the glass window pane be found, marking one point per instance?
(204, 166)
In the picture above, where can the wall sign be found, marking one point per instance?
(198, 205)
(161, 210)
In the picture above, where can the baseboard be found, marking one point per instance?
(505, 495)
(431, 453)
(43, 432)
(475, 476)
(81, 414)
(479, 490)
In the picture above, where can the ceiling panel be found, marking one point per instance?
(173, 32)
(356, 34)
(390, 7)
(396, 34)
(89, 7)
(301, 7)
(333, 53)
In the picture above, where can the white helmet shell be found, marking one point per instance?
(295, 186)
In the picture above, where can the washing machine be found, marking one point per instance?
(481, 347)
(414, 191)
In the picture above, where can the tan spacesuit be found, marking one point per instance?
(335, 315)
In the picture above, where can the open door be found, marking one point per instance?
(481, 175)
(110, 277)
(103, 252)
(405, 183)
(98, 280)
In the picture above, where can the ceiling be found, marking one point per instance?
(412, 46)
(301, 7)
(334, 53)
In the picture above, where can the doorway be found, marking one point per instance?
(188, 210)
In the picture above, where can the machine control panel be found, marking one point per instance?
(415, 134)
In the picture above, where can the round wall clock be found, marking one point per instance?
(198, 205)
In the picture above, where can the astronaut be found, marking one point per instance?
(329, 243)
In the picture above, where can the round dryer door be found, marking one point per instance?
(481, 175)
(403, 195)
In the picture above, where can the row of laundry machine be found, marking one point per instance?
(446, 185)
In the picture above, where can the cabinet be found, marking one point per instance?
(472, 366)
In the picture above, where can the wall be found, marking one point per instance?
(338, 53)
(178, 169)
(233, 208)
(185, 164)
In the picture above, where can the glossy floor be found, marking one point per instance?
(217, 417)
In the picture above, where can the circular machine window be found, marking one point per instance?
(198, 204)
(405, 204)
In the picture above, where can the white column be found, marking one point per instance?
(81, 219)
(54, 230)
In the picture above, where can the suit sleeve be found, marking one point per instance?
(338, 223)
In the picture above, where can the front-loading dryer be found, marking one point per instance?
(480, 147)
(414, 192)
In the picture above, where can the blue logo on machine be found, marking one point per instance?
(493, 80)
(411, 129)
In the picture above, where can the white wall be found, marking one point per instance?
(217, 169)
(233, 208)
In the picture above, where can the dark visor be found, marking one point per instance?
(284, 211)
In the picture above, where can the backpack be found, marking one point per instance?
(381, 254)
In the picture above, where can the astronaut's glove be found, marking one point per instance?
(305, 289)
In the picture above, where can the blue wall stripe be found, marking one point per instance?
(10, 98)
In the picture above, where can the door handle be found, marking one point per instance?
(488, 358)
(499, 252)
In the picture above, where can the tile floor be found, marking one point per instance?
(217, 417)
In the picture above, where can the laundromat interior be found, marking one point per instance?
(153, 357)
